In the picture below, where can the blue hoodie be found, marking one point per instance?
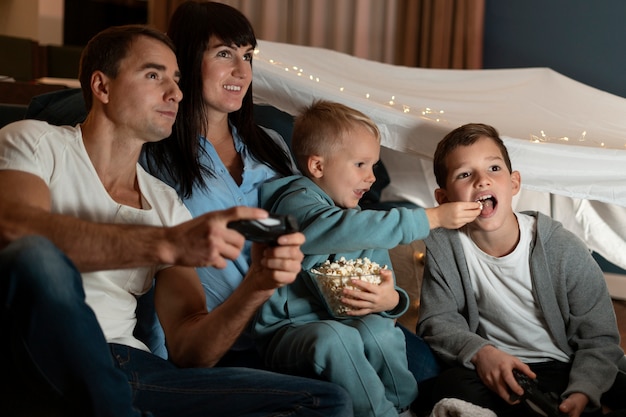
(330, 230)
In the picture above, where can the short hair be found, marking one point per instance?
(318, 129)
(465, 135)
(107, 49)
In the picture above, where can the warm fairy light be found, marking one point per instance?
(428, 112)
(431, 114)
(543, 137)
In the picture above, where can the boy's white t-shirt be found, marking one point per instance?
(509, 315)
(57, 155)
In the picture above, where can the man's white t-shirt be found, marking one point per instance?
(57, 155)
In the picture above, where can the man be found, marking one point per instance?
(83, 230)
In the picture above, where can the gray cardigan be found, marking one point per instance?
(569, 288)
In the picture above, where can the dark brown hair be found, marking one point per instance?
(191, 27)
(464, 136)
(107, 49)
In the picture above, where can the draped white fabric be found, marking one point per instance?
(567, 139)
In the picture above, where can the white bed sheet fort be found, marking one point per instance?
(567, 139)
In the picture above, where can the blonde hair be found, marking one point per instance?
(319, 130)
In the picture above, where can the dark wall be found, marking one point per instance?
(84, 18)
(582, 39)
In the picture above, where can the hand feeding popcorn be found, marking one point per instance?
(333, 277)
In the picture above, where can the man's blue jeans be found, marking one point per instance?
(54, 349)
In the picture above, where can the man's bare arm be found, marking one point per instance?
(25, 210)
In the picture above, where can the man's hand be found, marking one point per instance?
(495, 369)
(453, 215)
(371, 298)
(206, 240)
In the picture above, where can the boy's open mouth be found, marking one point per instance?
(488, 203)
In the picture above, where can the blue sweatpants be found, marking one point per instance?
(364, 355)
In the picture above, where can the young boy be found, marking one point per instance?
(336, 148)
(513, 291)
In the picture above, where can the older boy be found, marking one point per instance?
(513, 291)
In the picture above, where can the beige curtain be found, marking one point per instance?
(424, 33)
(442, 33)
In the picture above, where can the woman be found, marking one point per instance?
(217, 153)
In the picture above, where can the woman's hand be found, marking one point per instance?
(278, 265)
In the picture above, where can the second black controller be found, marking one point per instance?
(543, 403)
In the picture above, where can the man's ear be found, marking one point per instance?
(516, 182)
(100, 86)
(315, 165)
(441, 196)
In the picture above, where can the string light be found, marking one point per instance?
(544, 138)
(434, 115)
(429, 113)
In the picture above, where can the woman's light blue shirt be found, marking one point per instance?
(222, 192)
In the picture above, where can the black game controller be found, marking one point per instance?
(265, 230)
(543, 403)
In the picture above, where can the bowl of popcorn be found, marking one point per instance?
(331, 277)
